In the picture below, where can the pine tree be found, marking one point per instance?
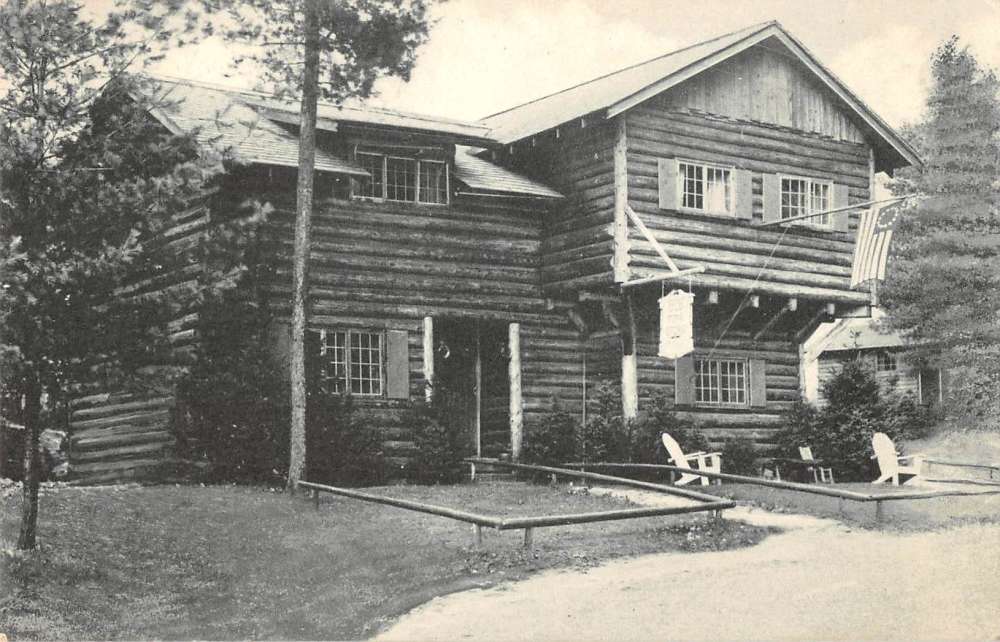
(85, 180)
(944, 275)
(312, 50)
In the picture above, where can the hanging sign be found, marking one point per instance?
(676, 324)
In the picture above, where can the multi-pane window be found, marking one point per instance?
(706, 188)
(801, 196)
(400, 179)
(885, 361)
(397, 178)
(375, 165)
(433, 182)
(720, 382)
(351, 361)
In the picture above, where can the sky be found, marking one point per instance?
(485, 56)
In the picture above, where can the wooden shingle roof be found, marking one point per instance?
(482, 175)
(219, 119)
(257, 129)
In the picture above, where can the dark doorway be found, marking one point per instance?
(470, 369)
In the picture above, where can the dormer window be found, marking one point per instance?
(403, 179)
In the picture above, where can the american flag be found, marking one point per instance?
(871, 250)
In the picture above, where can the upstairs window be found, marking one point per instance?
(720, 382)
(801, 196)
(403, 179)
(706, 188)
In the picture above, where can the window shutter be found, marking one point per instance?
(772, 197)
(684, 381)
(744, 194)
(313, 360)
(758, 385)
(667, 168)
(397, 365)
(841, 220)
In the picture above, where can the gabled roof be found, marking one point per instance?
(617, 92)
(480, 174)
(219, 119)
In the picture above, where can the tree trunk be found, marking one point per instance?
(300, 259)
(32, 468)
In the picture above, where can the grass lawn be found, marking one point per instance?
(228, 562)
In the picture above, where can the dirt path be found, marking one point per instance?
(818, 580)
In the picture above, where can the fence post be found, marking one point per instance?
(477, 536)
(529, 537)
(316, 499)
(879, 515)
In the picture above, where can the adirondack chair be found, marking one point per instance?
(891, 464)
(825, 472)
(709, 462)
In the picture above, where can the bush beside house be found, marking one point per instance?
(840, 432)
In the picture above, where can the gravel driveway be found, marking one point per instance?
(817, 580)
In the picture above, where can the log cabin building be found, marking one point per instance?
(504, 257)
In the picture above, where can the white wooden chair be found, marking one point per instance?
(708, 462)
(825, 473)
(892, 466)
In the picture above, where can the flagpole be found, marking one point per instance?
(856, 206)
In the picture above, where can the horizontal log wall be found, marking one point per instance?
(579, 163)
(116, 435)
(808, 263)
(656, 377)
(120, 436)
(385, 266)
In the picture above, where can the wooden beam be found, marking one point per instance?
(611, 315)
(620, 481)
(713, 297)
(420, 507)
(586, 295)
(650, 238)
(754, 301)
(788, 307)
(621, 241)
(479, 393)
(846, 208)
(577, 320)
(826, 310)
(516, 399)
(667, 276)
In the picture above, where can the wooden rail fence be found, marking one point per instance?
(528, 524)
(813, 489)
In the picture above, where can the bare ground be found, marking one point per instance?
(820, 579)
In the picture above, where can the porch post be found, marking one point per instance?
(516, 403)
(630, 375)
(428, 358)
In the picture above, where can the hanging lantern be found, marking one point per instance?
(676, 324)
